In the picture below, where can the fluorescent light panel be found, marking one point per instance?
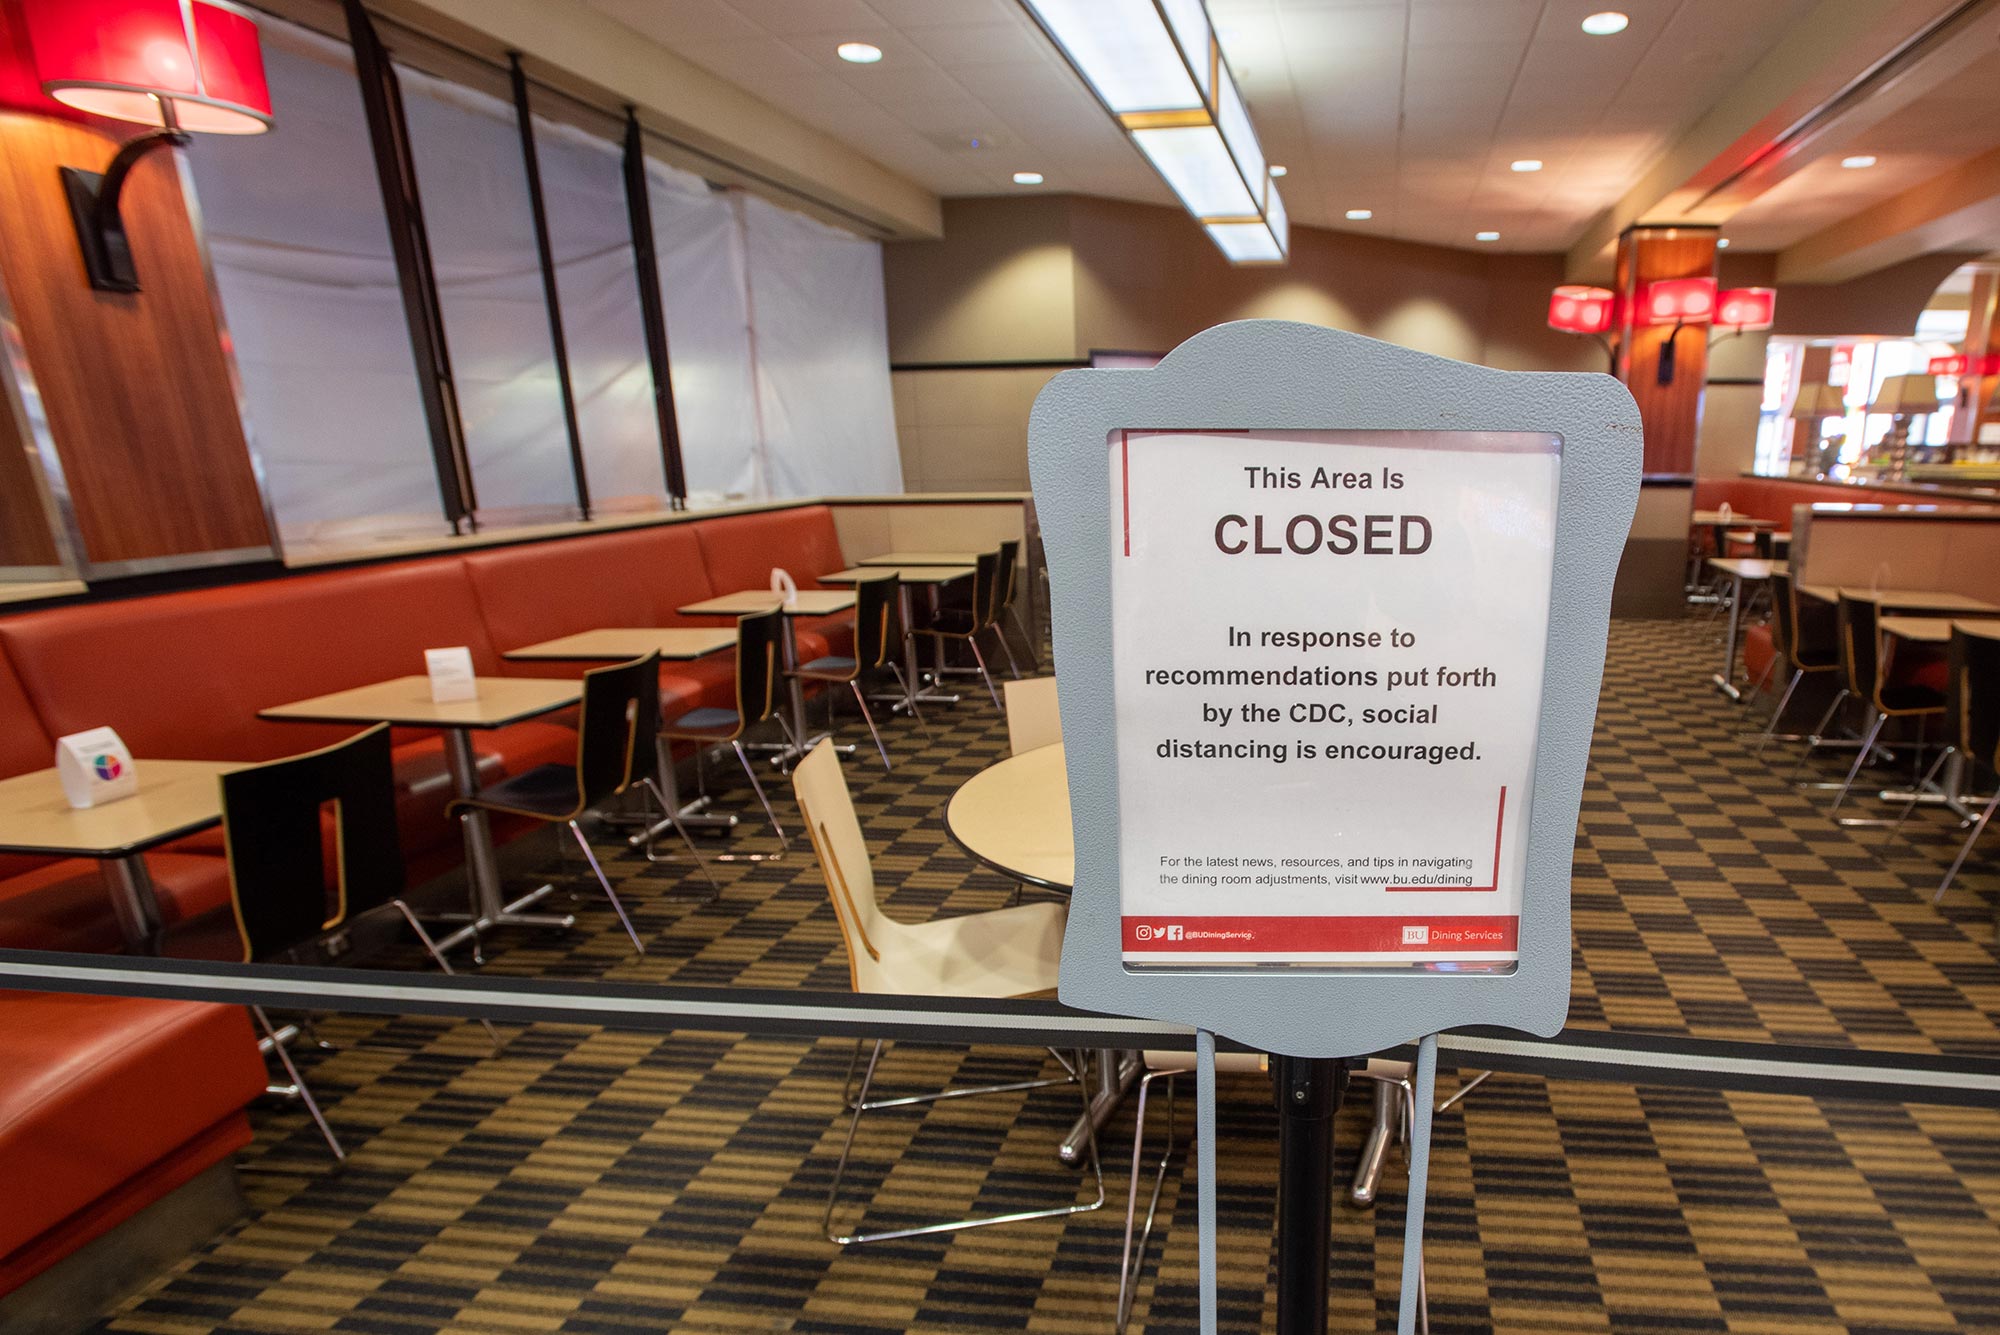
(1155, 66)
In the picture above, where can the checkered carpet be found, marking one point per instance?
(590, 1181)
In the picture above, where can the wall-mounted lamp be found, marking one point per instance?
(1679, 302)
(181, 65)
(1586, 310)
(1743, 308)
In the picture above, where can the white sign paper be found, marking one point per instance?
(785, 586)
(1328, 652)
(94, 768)
(451, 675)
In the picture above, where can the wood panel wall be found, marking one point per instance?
(136, 388)
(25, 539)
(1671, 413)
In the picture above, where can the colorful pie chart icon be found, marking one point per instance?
(106, 767)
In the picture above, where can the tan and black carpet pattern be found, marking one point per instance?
(591, 1181)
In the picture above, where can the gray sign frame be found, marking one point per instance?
(1280, 375)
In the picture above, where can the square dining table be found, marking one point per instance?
(931, 578)
(175, 798)
(805, 603)
(405, 702)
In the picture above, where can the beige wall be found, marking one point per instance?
(997, 288)
(966, 430)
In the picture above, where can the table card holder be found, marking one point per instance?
(785, 587)
(95, 768)
(452, 677)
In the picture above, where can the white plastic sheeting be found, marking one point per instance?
(308, 284)
(775, 322)
(822, 356)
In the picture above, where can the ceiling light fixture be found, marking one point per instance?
(1278, 169)
(1526, 165)
(1027, 178)
(858, 53)
(1360, 215)
(1156, 67)
(1605, 23)
(1485, 236)
(1858, 161)
(1722, 243)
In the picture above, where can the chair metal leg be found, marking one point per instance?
(617, 906)
(1133, 1260)
(869, 718)
(861, 1105)
(1917, 790)
(910, 698)
(299, 1084)
(1860, 759)
(437, 958)
(784, 844)
(1000, 637)
(972, 643)
(1978, 828)
(1784, 702)
(652, 786)
(1027, 640)
(1818, 734)
(1465, 1089)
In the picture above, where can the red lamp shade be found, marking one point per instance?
(1677, 301)
(1580, 310)
(1956, 364)
(128, 59)
(1746, 307)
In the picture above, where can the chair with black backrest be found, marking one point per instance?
(759, 679)
(1869, 677)
(1003, 603)
(274, 818)
(1808, 645)
(967, 624)
(615, 751)
(878, 639)
(1972, 703)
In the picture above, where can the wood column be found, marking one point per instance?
(1671, 412)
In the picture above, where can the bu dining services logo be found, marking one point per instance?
(1168, 932)
(106, 766)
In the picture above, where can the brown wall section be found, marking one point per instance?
(996, 288)
(136, 389)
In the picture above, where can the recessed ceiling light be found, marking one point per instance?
(1278, 170)
(1027, 178)
(1360, 215)
(1722, 243)
(1605, 23)
(1485, 236)
(858, 53)
(1858, 161)
(1526, 164)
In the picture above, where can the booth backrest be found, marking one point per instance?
(1773, 498)
(672, 570)
(740, 550)
(182, 675)
(1955, 551)
(543, 590)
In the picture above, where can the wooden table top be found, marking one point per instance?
(406, 702)
(175, 797)
(1922, 600)
(1937, 630)
(811, 603)
(624, 642)
(908, 574)
(1749, 567)
(922, 559)
(1713, 517)
(1014, 817)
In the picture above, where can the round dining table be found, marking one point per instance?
(1014, 817)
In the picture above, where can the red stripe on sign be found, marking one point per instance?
(1173, 935)
(1125, 486)
(1499, 823)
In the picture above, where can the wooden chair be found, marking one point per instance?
(1009, 952)
(1869, 678)
(1972, 702)
(616, 751)
(1033, 719)
(759, 655)
(273, 827)
(1810, 647)
(878, 639)
(967, 624)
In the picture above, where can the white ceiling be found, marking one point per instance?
(1411, 108)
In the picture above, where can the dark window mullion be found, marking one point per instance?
(550, 297)
(396, 170)
(652, 309)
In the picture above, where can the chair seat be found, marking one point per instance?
(1011, 952)
(705, 722)
(833, 667)
(1910, 699)
(546, 791)
(955, 623)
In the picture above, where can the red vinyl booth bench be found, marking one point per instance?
(108, 1104)
(1772, 498)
